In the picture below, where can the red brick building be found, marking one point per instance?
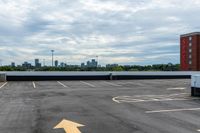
(190, 51)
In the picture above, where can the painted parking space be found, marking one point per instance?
(154, 98)
(46, 84)
(178, 107)
(170, 105)
(62, 84)
(90, 84)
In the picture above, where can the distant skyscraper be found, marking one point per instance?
(37, 63)
(26, 65)
(82, 64)
(93, 63)
(88, 64)
(56, 63)
(112, 65)
(12, 64)
(62, 64)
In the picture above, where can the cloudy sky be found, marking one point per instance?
(117, 31)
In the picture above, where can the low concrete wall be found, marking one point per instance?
(33, 76)
(2, 77)
(129, 77)
(46, 78)
(93, 77)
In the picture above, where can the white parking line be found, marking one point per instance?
(91, 85)
(178, 88)
(62, 84)
(153, 98)
(34, 86)
(198, 130)
(172, 110)
(3, 85)
(114, 99)
(109, 83)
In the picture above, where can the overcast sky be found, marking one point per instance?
(118, 31)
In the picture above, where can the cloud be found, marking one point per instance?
(118, 31)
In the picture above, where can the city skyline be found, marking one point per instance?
(123, 32)
(56, 63)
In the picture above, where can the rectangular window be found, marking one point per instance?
(190, 62)
(190, 56)
(190, 50)
(190, 38)
(190, 44)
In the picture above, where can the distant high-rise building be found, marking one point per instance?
(26, 65)
(56, 63)
(93, 63)
(88, 64)
(12, 64)
(62, 64)
(37, 63)
(190, 51)
(112, 65)
(82, 64)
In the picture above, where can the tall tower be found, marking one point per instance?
(36, 62)
(190, 51)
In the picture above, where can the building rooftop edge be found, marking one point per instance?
(190, 34)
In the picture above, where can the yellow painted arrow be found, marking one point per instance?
(69, 126)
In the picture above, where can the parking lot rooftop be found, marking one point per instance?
(139, 106)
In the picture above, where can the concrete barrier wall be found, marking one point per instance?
(98, 77)
(97, 73)
(43, 78)
(34, 76)
(129, 77)
(2, 77)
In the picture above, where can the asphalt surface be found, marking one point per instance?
(130, 106)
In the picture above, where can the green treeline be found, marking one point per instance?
(156, 67)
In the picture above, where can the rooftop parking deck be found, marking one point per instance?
(120, 106)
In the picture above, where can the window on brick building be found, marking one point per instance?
(190, 38)
(190, 44)
(190, 50)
